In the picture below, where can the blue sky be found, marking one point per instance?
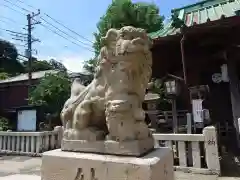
(78, 15)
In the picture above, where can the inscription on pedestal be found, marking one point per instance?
(156, 165)
(80, 175)
(165, 172)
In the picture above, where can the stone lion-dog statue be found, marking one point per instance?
(110, 107)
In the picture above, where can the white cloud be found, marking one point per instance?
(72, 61)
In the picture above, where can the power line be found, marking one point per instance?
(12, 9)
(68, 28)
(4, 21)
(9, 19)
(58, 35)
(17, 6)
(55, 32)
(22, 56)
(56, 27)
(20, 45)
(59, 28)
(8, 30)
(56, 21)
(27, 4)
(15, 35)
(30, 39)
(64, 32)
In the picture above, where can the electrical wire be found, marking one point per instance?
(12, 9)
(17, 6)
(88, 48)
(68, 28)
(56, 21)
(27, 4)
(55, 32)
(20, 45)
(4, 21)
(12, 23)
(64, 32)
(8, 30)
(9, 19)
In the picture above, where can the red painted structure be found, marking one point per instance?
(14, 91)
(13, 95)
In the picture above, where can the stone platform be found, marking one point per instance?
(130, 148)
(57, 164)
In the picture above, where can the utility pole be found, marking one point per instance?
(29, 50)
(27, 37)
(30, 40)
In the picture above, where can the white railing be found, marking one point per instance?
(193, 152)
(30, 143)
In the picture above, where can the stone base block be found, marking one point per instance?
(60, 165)
(130, 148)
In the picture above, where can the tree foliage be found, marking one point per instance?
(177, 23)
(10, 66)
(52, 92)
(57, 65)
(90, 65)
(158, 88)
(8, 59)
(42, 65)
(4, 124)
(125, 13)
(4, 75)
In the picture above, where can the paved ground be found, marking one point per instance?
(22, 166)
(10, 165)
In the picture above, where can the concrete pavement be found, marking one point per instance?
(28, 168)
(10, 165)
(21, 177)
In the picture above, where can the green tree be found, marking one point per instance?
(42, 65)
(8, 59)
(52, 92)
(4, 124)
(57, 65)
(90, 65)
(124, 13)
(3, 75)
(37, 65)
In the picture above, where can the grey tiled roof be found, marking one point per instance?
(24, 77)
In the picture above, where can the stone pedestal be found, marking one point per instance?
(129, 148)
(60, 165)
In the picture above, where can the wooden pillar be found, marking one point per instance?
(185, 75)
(235, 94)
